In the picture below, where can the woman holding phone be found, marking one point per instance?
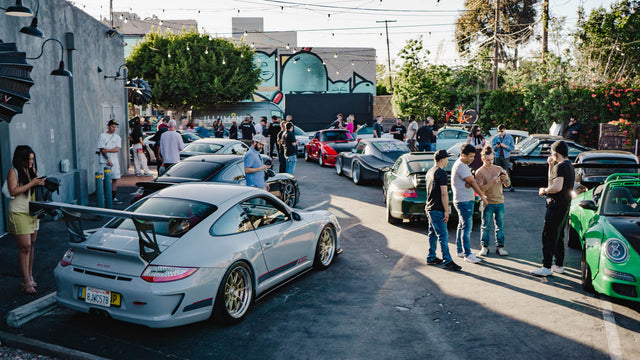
(21, 180)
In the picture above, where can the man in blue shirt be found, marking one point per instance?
(503, 145)
(253, 166)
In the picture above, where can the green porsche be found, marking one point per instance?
(606, 221)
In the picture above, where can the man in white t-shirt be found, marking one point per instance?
(463, 185)
(109, 144)
(412, 129)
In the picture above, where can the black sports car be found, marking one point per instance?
(593, 167)
(221, 169)
(530, 163)
(366, 160)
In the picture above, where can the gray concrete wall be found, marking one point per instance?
(46, 122)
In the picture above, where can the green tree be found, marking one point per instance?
(608, 42)
(192, 70)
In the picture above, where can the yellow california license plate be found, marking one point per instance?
(99, 297)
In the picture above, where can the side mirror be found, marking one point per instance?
(295, 216)
(269, 173)
(588, 205)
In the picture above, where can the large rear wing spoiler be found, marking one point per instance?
(622, 176)
(148, 243)
(606, 166)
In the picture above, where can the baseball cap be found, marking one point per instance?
(440, 154)
(112, 122)
(259, 138)
(560, 147)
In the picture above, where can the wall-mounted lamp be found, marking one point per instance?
(111, 32)
(117, 75)
(99, 69)
(33, 28)
(60, 71)
(18, 10)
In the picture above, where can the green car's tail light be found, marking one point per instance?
(616, 250)
(619, 275)
(160, 273)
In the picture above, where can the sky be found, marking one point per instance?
(337, 23)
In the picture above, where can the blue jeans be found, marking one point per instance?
(433, 146)
(291, 163)
(438, 233)
(465, 223)
(424, 146)
(492, 212)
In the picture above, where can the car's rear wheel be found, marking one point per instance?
(355, 173)
(339, 166)
(587, 283)
(289, 194)
(325, 249)
(235, 294)
(306, 155)
(574, 239)
(320, 159)
(390, 219)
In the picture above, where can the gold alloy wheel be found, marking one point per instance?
(327, 246)
(237, 292)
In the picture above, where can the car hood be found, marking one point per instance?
(629, 227)
(340, 146)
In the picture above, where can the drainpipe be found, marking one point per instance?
(69, 39)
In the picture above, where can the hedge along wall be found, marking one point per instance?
(534, 107)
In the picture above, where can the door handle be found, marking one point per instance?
(267, 245)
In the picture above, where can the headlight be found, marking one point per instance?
(616, 250)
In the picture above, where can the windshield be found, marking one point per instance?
(198, 170)
(195, 211)
(610, 170)
(530, 146)
(366, 130)
(622, 198)
(203, 148)
(298, 132)
(335, 136)
(422, 165)
(188, 137)
(390, 146)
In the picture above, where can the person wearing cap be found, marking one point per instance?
(491, 179)
(437, 209)
(558, 194)
(253, 166)
(109, 144)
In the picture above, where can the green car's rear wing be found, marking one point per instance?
(622, 176)
(148, 243)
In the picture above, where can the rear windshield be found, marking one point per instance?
(195, 211)
(335, 136)
(390, 146)
(608, 171)
(199, 170)
(203, 148)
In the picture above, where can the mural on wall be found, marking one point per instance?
(300, 73)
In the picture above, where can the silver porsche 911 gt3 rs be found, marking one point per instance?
(188, 252)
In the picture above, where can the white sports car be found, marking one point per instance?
(189, 252)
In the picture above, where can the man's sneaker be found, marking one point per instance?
(452, 266)
(116, 201)
(501, 251)
(460, 255)
(484, 251)
(472, 259)
(543, 271)
(435, 261)
(557, 269)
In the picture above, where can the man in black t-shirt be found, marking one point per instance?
(423, 137)
(561, 180)
(434, 132)
(398, 131)
(437, 209)
(247, 130)
(377, 127)
(274, 130)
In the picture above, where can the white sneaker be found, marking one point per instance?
(557, 269)
(472, 259)
(460, 255)
(484, 251)
(501, 251)
(543, 271)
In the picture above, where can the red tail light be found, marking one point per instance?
(67, 258)
(160, 273)
(406, 193)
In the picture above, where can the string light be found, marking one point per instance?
(188, 48)
(309, 68)
(206, 51)
(335, 55)
(241, 55)
(352, 63)
(169, 54)
(223, 62)
(160, 23)
(287, 46)
(337, 72)
(323, 63)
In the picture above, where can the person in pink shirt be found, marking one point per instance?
(350, 126)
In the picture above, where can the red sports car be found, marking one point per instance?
(327, 144)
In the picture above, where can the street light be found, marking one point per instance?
(33, 28)
(18, 10)
(60, 71)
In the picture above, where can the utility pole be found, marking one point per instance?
(386, 26)
(545, 29)
(494, 83)
(111, 12)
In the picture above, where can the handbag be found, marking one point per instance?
(5, 191)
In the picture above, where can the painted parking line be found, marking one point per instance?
(610, 327)
(318, 205)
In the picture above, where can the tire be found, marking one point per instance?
(235, 294)
(355, 173)
(289, 194)
(587, 282)
(339, 166)
(320, 160)
(574, 239)
(390, 219)
(325, 249)
(306, 154)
